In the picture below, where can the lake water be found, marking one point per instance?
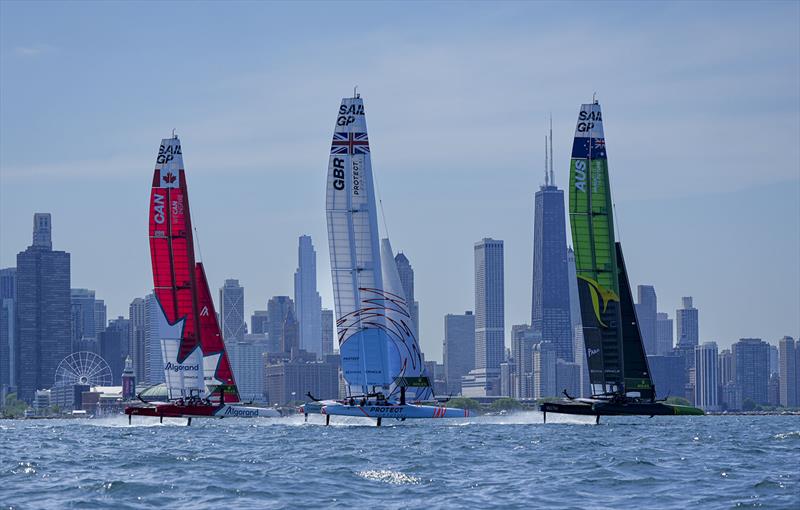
(514, 461)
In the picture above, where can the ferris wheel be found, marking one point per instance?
(83, 368)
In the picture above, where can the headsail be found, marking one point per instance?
(405, 356)
(217, 372)
(355, 256)
(616, 359)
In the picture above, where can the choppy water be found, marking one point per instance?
(507, 462)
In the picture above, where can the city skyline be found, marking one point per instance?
(741, 188)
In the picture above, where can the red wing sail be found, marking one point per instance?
(217, 370)
(171, 245)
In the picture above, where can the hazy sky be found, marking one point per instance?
(701, 112)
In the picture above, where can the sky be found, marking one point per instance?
(701, 105)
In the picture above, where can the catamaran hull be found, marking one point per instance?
(600, 408)
(202, 411)
(400, 412)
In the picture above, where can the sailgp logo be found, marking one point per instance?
(175, 367)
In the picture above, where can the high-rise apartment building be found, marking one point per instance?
(688, 327)
(646, 314)
(327, 332)
(545, 357)
(459, 349)
(489, 304)
(523, 340)
(231, 310)
(278, 308)
(137, 335)
(42, 310)
(406, 273)
(664, 339)
(751, 364)
(789, 371)
(550, 303)
(153, 356)
(706, 387)
(83, 325)
(308, 304)
(8, 331)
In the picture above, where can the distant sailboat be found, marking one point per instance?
(198, 374)
(618, 370)
(381, 360)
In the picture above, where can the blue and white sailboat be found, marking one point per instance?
(382, 364)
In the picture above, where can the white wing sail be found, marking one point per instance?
(355, 256)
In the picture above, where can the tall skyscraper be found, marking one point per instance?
(773, 359)
(259, 322)
(231, 310)
(137, 315)
(277, 309)
(459, 349)
(664, 327)
(545, 357)
(706, 387)
(646, 314)
(99, 316)
(489, 304)
(688, 328)
(290, 333)
(247, 363)
(550, 310)
(327, 332)
(84, 328)
(153, 357)
(406, 273)
(789, 371)
(43, 310)
(113, 343)
(307, 302)
(523, 340)
(8, 331)
(751, 363)
(484, 380)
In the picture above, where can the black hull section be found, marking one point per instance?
(617, 409)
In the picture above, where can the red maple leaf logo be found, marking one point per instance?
(169, 178)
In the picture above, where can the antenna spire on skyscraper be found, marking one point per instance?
(552, 178)
(546, 166)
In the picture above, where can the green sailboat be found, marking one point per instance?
(619, 374)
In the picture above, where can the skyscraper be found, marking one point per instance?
(706, 387)
(751, 364)
(484, 380)
(277, 309)
(406, 273)
(789, 372)
(231, 310)
(664, 327)
(523, 340)
(153, 357)
(550, 310)
(646, 314)
(43, 310)
(327, 331)
(113, 344)
(84, 328)
(306, 298)
(247, 362)
(489, 304)
(99, 316)
(290, 333)
(459, 349)
(578, 347)
(137, 315)
(8, 331)
(545, 357)
(259, 322)
(688, 328)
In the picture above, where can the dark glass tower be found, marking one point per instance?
(43, 311)
(550, 315)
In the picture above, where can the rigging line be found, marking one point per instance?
(380, 203)
(197, 238)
